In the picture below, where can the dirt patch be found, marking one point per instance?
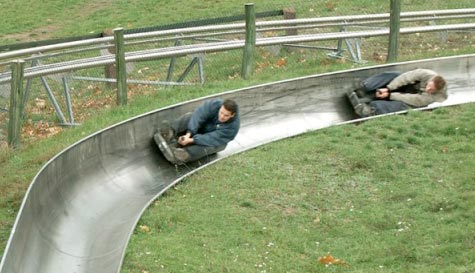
(41, 33)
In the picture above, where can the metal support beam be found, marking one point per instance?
(34, 62)
(352, 46)
(201, 70)
(194, 61)
(171, 67)
(53, 100)
(67, 98)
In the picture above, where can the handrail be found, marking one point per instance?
(261, 24)
(410, 14)
(144, 55)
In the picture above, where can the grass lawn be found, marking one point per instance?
(389, 195)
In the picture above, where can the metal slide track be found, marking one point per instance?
(81, 208)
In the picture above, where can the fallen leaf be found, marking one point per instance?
(329, 259)
(281, 62)
(144, 228)
(40, 103)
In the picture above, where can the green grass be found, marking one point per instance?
(390, 195)
(63, 18)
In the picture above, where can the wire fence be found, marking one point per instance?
(64, 82)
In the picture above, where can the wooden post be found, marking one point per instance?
(250, 43)
(16, 105)
(394, 26)
(110, 70)
(120, 66)
(289, 14)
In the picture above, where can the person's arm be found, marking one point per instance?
(219, 137)
(415, 100)
(198, 118)
(202, 114)
(411, 77)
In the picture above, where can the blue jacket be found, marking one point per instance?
(206, 129)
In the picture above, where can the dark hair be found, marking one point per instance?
(439, 82)
(230, 105)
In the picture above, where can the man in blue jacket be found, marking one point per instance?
(206, 130)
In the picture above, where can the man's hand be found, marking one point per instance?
(382, 93)
(185, 140)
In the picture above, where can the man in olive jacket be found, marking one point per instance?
(206, 130)
(412, 89)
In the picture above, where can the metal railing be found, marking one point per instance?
(239, 28)
(39, 70)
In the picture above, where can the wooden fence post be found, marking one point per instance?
(289, 14)
(120, 66)
(250, 43)
(394, 26)
(110, 70)
(16, 105)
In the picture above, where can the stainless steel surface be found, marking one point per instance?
(83, 205)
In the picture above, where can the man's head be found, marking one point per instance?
(227, 111)
(436, 84)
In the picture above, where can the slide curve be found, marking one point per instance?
(82, 206)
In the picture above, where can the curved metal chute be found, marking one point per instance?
(81, 208)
